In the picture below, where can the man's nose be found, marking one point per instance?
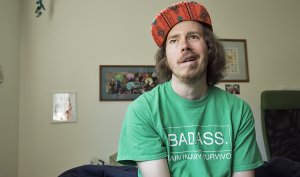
(185, 45)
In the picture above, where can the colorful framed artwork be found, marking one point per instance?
(63, 108)
(237, 62)
(126, 82)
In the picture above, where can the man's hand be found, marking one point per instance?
(248, 173)
(154, 168)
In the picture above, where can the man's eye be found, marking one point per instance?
(193, 37)
(172, 41)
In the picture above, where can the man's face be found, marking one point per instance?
(187, 52)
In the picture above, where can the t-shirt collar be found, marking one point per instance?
(189, 103)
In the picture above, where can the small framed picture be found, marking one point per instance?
(233, 88)
(126, 82)
(64, 108)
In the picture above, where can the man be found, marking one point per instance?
(140, 81)
(148, 87)
(112, 86)
(187, 126)
(119, 84)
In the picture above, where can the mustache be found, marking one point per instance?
(186, 54)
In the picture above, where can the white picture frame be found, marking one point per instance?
(63, 107)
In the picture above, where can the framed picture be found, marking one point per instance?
(237, 62)
(64, 108)
(126, 82)
(233, 89)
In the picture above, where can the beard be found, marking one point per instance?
(190, 77)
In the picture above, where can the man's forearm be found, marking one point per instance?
(248, 173)
(154, 168)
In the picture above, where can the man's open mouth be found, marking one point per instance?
(189, 59)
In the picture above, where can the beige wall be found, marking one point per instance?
(9, 88)
(62, 51)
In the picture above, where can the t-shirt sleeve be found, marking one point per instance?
(139, 140)
(246, 154)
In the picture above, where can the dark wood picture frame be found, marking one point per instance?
(129, 87)
(236, 72)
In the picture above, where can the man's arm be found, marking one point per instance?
(154, 168)
(248, 173)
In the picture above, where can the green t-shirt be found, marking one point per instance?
(213, 136)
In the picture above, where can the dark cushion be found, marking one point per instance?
(101, 171)
(278, 167)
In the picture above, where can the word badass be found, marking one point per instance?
(191, 139)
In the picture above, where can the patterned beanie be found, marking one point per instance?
(170, 16)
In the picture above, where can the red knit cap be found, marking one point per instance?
(170, 16)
